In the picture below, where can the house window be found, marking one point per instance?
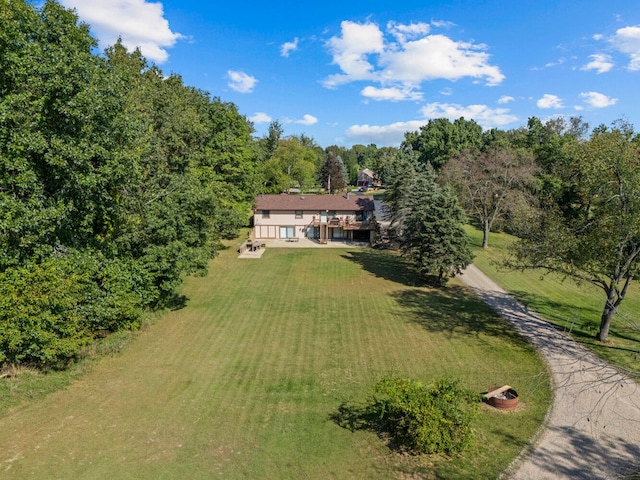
(287, 232)
(266, 213)
(298, 213)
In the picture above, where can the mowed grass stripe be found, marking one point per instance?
(242, 382)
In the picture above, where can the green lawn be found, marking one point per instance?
(243, 382)
(571, 307)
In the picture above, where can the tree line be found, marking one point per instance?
(571, 196)
(116, 180)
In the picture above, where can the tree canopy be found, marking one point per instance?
(440, 139)
(595, 238)
(115, 180)
(333, 174)
(492, 183)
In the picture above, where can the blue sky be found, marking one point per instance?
(348, 72)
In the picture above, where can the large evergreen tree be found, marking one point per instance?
(431, 232)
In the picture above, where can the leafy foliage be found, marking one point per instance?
(492, 184)
(596, 237)
(333, 175)
(291, 165)
(439, 140)
(50, 310)
(421, 418)
(115, 181)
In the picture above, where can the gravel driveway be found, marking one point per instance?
(593, 428)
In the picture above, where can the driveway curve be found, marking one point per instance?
(592, 430)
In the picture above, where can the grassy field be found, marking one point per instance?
(573, 308)
(243, 381)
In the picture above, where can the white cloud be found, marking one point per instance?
(350, 52)
(600, 62)
(442, 23)
(391, 94)
(437, 56)
(137, 22)
(241, 82)
(555, 63)
(403, 32)
(485, 116)
(260, 117)
(288, 47)
(598, 100)
(549, 101)
(411, 57)
(391, 135)
(305, 120)
(627, 40)
(505, 99)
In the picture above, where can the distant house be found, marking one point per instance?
(321, 218)
(365, 178)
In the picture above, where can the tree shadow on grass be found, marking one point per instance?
(584, 324)
(538, 302)
(387, 265)
(176, 301)
(354, 417)
(456, 312)
(450, 309)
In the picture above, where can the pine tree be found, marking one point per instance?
(431, 235)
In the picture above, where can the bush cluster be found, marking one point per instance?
(421, 418)
(50, 310)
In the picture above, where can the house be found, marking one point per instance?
(321, 218)
(365, 178)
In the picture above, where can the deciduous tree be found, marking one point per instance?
(596, 239)
(492, 184)
(115, 181)
(332, 174)
(439, 140)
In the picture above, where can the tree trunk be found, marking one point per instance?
(605, 320)
(485, 233)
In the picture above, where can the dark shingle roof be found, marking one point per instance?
(350, 202)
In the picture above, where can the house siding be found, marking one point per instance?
(270, 227)
(318, 223)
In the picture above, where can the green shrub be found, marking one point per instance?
(50, 311)
(422, 418)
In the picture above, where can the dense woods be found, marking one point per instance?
(116, 180)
